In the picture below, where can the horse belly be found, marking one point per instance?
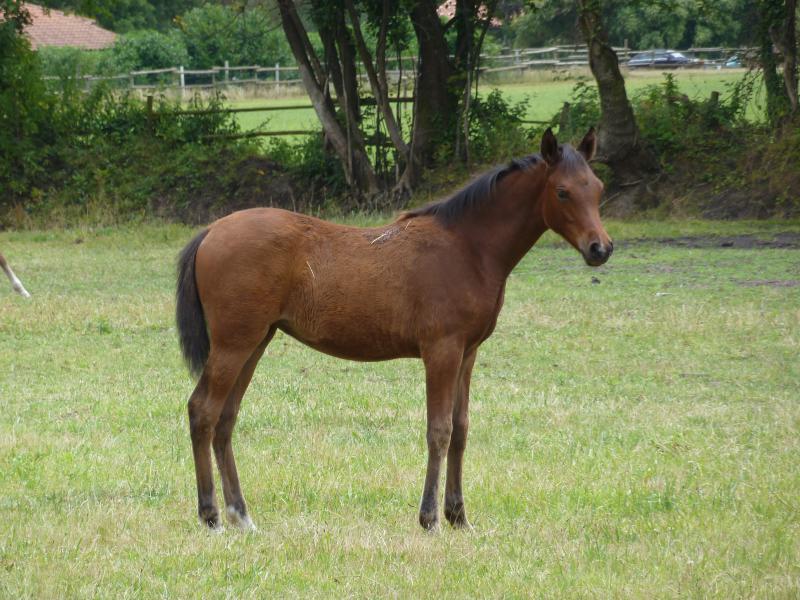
(353, 339)
(351, 317)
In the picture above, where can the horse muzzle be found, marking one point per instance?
(597, 253)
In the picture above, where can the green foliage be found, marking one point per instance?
(129, 15)
(583, 112)
(666, 23)
(63, 148)
(495, 130)
(309, 161)
(27, 126)
(213, 34)
(146, 50)
(672, 122)
(66, 62)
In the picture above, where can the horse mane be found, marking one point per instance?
(482, 188)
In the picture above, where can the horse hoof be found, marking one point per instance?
(429, 521)
(457, 517)
(236, 519)
(210, 517)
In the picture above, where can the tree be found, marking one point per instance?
(444, 78)
(346, 141)
(619, 143)
(214, 33)
(128, 15)
(777, 25)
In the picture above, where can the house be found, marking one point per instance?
(55, 28)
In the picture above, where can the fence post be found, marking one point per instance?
(564, 120)
(226, 71)
(277, 72)
(130, 75)
(183, 80)
(150, 115)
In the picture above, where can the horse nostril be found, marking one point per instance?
(596, 250)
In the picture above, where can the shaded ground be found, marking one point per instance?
(786, 239)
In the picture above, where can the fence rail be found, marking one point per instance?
(279, 76)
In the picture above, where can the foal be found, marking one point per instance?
(429, 285)
(15, 282)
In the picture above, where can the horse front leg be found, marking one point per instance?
(442, 365)
(454, 510)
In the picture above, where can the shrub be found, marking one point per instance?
(495, 129)
(65, 62)
(213, 34)
(145, 50)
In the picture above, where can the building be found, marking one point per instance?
(55, 28)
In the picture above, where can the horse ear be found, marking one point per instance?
(588, 145)
(549, 148)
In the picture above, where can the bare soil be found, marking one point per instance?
(786, 239)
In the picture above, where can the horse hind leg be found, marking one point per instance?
(235, 506)
(15, 282)
(205, 407)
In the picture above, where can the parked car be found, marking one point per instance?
(660, 59)
(734, 62)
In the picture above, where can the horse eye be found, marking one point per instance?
(562, 194)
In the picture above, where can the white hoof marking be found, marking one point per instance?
(235, 519)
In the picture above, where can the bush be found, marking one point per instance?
(145, 50)
(213, 34)
(582, 112)
(65, 62)
(27, 124)
(671, 122)
(495, 128)
(63, 151)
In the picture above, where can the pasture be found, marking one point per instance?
(634, 436)
(545, 94)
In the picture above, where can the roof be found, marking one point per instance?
(56, 28)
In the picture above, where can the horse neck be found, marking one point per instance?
(506, 227)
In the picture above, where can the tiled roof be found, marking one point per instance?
(54, 28)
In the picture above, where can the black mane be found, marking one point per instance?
(483, 187)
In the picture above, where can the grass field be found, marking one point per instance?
(545, 97)
(636, 437)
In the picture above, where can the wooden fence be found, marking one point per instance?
(152, 115)
(277, 77)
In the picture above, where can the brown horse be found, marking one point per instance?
(15, 282)
(429, 285)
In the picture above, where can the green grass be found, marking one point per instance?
(636, 437)
(545, 97)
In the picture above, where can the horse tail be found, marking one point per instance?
(189, 310)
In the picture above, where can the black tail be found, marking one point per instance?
(189, 311)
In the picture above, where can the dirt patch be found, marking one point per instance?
(771, 283)
(787, 239)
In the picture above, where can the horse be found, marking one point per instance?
(429, 285)
(15, 282)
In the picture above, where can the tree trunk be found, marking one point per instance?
(436, 103)
(783, 33)
(619, 144)
(379, 86)
(350, 149)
